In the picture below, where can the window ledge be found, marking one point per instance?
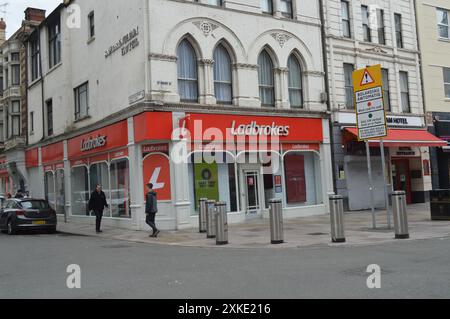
(34, 82)
(447, 99)
(81, 119)
(54, 68)
(444, 39)
(91, 39)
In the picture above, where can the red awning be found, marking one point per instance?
(402, 138)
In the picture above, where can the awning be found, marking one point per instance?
(404, 138)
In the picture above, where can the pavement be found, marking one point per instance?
(299, 232)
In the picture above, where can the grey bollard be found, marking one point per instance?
(276, 221)
(210, 219)
(337, 219)
(202, 215)
(400, 215)
(221, 223)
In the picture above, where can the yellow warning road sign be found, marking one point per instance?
(369, 102)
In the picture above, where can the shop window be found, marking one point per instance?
(80, 191)
(99, 175)
(215, 181)
(49, 184)
(303, 179)
(120, 189)
(60, 192)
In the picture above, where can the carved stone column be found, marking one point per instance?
(206, 82)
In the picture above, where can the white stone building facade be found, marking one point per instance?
(361, 33)
(112, 82)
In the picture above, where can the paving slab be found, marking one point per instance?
(299, 232)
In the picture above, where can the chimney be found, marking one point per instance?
(2, 31)
(34, 15)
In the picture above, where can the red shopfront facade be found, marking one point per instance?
(239, 173)
(100, 157)
(6, 184)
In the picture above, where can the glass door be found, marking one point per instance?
(252, 192)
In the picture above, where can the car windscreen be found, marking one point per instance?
(35, 204)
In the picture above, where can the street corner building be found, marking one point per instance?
(104, 98)
(365, 33)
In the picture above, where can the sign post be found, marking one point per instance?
(371, 120)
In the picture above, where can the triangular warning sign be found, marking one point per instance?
(367, 78)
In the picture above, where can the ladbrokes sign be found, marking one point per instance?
(93, 143)
(253, 129)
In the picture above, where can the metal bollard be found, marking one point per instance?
(210, 219)
(337, 219)
(221, 223)
(400, 215)
(276, 221)
(202, 226)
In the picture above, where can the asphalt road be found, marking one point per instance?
(34, 266)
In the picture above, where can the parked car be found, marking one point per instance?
(26, 213)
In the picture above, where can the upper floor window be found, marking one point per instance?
(266, 79)
(54, 42)
(267, 6)
(367, 35)
(34, 58)
(345, 16)
(404, 88)
(380, 23)
(215, 2)
(442, 21)
(222, 76)
(15, 76)
(398, 30)
(286, 8)
(15, 56)
(349, 90)
(386, 92)
(295, 82)
(49, 120)
(91, 21)
(14, 119)
(187, 72)
(81, 101)
(447, 82)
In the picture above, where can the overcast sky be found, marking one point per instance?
(15, 11)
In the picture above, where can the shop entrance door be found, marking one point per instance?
(401, 177)
(252, 190)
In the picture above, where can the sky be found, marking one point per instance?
(15, 11)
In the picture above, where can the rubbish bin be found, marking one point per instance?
(221, 223)
(202, 226)
(440, 204)
(400, 215)
(337, 219)
(276, 221)
(211, 219)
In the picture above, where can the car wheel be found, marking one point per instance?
(11, 229)
(52, 230)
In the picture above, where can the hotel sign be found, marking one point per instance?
(127, 43)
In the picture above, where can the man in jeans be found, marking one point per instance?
(151, 208)
(97, 203)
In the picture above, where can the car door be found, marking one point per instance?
(4, 214)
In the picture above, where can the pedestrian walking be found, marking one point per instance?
(97, 203)
(151, 208)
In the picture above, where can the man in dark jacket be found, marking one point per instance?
(97, 203)
(151, 208)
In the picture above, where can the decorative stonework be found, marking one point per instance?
(162, 57)
(377, 49)
(206, 27)
(206, 62)
(281, 38)
(245, 66)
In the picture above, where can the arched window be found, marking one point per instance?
(266, 79)
(222, 76)
(187, 72)
(295, 82)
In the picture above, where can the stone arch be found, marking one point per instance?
(206, 32)
(284, 42)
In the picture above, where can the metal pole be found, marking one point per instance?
(386, 191)
(372, 200)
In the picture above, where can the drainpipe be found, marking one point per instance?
(42, 84)
(327, 88)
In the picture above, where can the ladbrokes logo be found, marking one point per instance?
(93, 143)
(253, 129)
